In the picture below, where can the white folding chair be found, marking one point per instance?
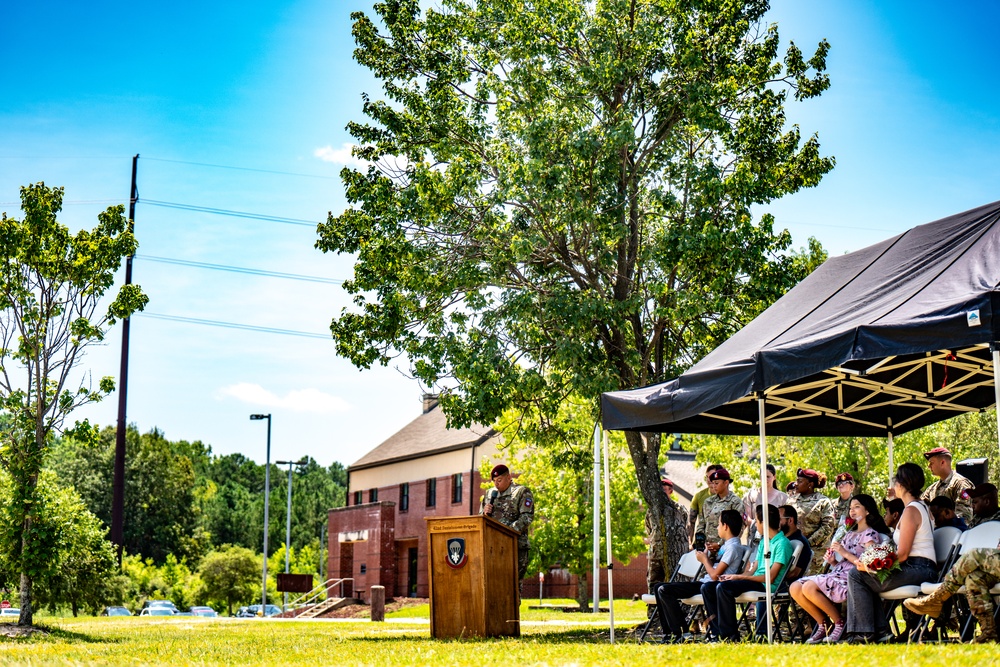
(753, 597)
(689, 567)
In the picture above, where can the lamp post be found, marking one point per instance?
(267, 497)
(288, 521)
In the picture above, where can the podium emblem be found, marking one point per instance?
(456, 552)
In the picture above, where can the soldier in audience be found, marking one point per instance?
(816, 513)
(699, 498)
(978, 571)
(845, 487)
(722, 499)
(984, 504)
(949, 483)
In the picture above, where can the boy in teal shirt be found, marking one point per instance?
(720, 597)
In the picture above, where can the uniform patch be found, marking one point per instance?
(527, 502)
(456, 556)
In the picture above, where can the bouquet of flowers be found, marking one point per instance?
(881, 561)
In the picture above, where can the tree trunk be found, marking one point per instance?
(26, 613)
(667, 518)
(582, 594)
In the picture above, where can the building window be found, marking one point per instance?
(432, 492)
(373, 495)
(456, 487)
(404, 497)
(357, 498)
(364, 568)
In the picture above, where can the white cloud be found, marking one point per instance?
(340, 155)
(302, 400)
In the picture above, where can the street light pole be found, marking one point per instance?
(267, 497)
(288, 522)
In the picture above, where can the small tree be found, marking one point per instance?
(230, 575)
(51, 286)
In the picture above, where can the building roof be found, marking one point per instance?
(426, 435)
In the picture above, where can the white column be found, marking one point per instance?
(607, 536)
(765, 538)
(595, 576)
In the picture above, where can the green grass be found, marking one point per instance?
(189, 641)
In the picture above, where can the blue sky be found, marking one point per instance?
(911, 117)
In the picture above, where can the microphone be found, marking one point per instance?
(491, 498)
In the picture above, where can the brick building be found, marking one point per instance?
(425, 470)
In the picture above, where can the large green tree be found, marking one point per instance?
(560, 197)
(53, 304)
(230, 575)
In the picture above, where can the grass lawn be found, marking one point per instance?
(549, 638)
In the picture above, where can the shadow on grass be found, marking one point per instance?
(48, 633)
(562, 636)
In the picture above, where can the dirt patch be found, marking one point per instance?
(365, 611)
(16, 631)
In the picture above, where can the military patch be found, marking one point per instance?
(527, 502)
(965, 494)
(456, 556)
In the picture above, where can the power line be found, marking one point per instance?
(225, 166)
(227, 212)
(242, 269)
(233, 325)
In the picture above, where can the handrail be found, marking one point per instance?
(312, 597)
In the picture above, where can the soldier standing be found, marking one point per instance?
(816, 513)
(720, 500)
(949, 484)
(512, 505)
(845, 487)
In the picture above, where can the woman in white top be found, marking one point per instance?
(752, 499)
(914, 538)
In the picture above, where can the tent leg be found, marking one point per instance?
(892, 462)
(765, 538)
(596, 574)
(995, 349)
(607, 531)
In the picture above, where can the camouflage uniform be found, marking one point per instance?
(515, 508)
(817, 522)
(711, 509)
(978, 571)
(952, 487)
(977, 520)
(841, 509)
(696, 503)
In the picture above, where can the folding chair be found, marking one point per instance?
(984, 536)
(696, 603)
(946, 540)
(688, 567)
(753, 597)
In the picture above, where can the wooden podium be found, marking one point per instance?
(473, 578)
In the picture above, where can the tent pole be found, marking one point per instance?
(607, 533)
(892, 462)
(995, 349)
(765, 538)
(596, 573)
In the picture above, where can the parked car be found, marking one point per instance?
(116, 611)
(160, 603)
(254, 610)
(10, 611)
(157, 611)
(208, 612)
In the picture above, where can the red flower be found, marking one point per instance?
(848, 522)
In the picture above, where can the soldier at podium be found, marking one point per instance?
(512, 505)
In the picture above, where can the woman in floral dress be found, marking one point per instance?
(821, 595)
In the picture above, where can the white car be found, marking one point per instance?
(157, 611)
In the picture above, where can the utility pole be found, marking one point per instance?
(118, 493)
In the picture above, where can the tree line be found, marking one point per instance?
(188, 514)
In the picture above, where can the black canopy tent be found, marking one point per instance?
(880, 341)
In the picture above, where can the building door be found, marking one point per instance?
(347, 567)
(411, 574)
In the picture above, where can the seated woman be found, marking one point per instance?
(914, 539)
(730, 557)
(821, 595)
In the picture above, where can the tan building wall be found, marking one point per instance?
(446, 463)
